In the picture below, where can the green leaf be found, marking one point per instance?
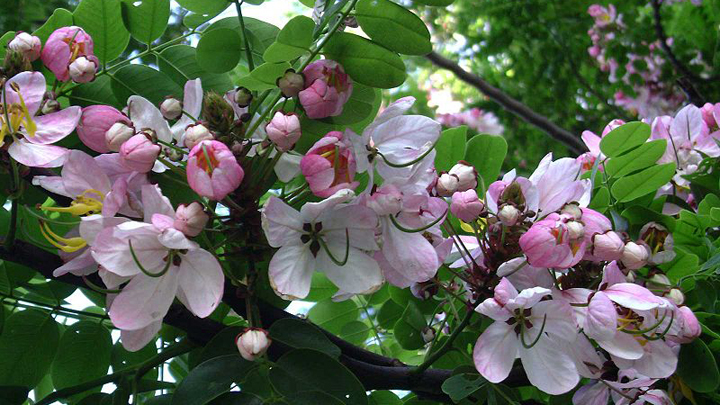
(194, 20)
(333, 315)
(269, 73)
(450, 148)
(102, 20)
(5, 39)
(384, 398)
(205, 6)
(365, 61)
(361, 105)
(440, 3)
(83, 354)
(146, 19)
(302, 335)
(600, 199)
(638, 158)
(219, 50)
(316, 371)
(260, 34)
(389, 313)
(637, 185)
(59, 18)
(144, 81)
(486, 153)
(211, 379)
(393, 27)
(314, 398)
(321, 288)
(355, 332)
(13, 395)
(27, 347)
(236, 398)
(408, 329)
(220, 345)
(461, 386)
(292, 41)
(179, 63)
(624, 138)
(697, 367)
(98, 91)
(120, 358)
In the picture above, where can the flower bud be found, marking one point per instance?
(446, 185)
(424, 290)
(212, 170)
(194, 134)
(252, 343)
(386, 200)
(327, 89)
(466, 175)
(509, 215)
(291, 83)
(15, 63)
(190, 219)
(26, 44)
(607, 246)
(243, 97)
(95, 124)
(50, 106)
(573, 210)
(466, 205)
(82, 70)
(634, 255)
(576, 230)
(218, 114)
(117, 135)
(428, 334)
(676, 296)
(284, 130)
(660, 280)
(171, 108)
(139, 153)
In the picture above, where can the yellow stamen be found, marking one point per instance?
(27, 122)
(82, 204)
(67, 245)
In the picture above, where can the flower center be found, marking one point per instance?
(89, 202)
(16, 116)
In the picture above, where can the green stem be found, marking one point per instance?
(432, 358)
(248, 51)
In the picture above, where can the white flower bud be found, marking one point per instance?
(82, 70)
(576, 230)
(50, 106)
(428, 334)
(252, 343)
(27, 44)
(607, 246)
(573, 210)
(446, 185)
(508, 215)
(634, 255)
(676, 296)
(660, 280)
(118, 133)
(190, 219)
(194, 134)
(466, 175)
(171, 108)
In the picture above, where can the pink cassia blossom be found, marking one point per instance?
(96, 120)
(63, 47)
(556, 241)
(327, 89)
(329, 165)
(213, 171)
(32, 136)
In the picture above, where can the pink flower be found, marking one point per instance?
(329, 165)
(466, 175)
(556, 241)
(327, 89)
(316, 239)
(32, 135)
(63, 47)
(190, 219)
(180, 267)
(252, 343)
(213, 171)
(607, 246)
(284, 130)
(192, 107)
(94, 124)
(139, 153)
(28, 45)
(536, 331)
(557, 184)
(466, 205)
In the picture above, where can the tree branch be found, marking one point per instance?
(510, 104)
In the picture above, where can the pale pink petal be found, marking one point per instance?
(594, 393)
(82, 173)
(33, 155)
(55, 126)
(659, 360)
(112, 280)
(155, 203)
(144, 300)
(492, 309)
(134, 340)
(201, 281)
(92, 225)
(291, 270)
(145, 115)
(281, 222)
(171, 238)
(505, 291)
(361, 274)
(623, 345)
(548, 367)
(310, 212)
(112, 250)
(495, 352)
(601, 319)
(162, 222)
(633, 296)
(32, 88)
(416, 257)
(81, 265)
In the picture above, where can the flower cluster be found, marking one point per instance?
(484, 122)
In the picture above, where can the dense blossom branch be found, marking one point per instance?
(514, 106)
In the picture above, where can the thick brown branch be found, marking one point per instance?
(510, 104)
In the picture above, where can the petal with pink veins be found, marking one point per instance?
(495, 352)
(33, 155)
(290, 271)
(144, 300)
(55, 126)
(201, 281)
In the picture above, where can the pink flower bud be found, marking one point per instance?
(690, 328)
(509, 215)
(556, 241)
(573, 210)
(634, 255)
(576, 230)
(28, 45)
(64, 46)
(118, 134)
(327, 89)
(386, 200)
(171, 108)
(466, 175)
(707, 114)
(329, 166)
(196, 133)
(446, 185)
(252, 343)
(466, 205)
(676, 296)
(190, 219)
(291, 84)
(95, 123)
(139, 153)
(82, 70)
(213, 170)
(284, 130)
(607, 246)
